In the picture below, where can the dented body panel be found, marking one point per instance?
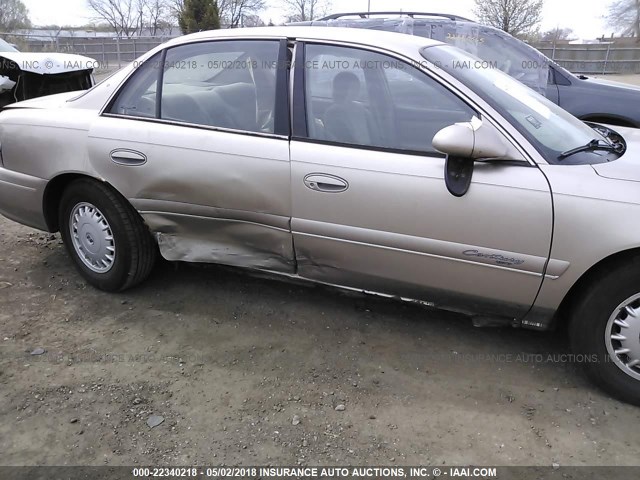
(211, 196)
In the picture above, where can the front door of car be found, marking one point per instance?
(370, 205)
(197, 141)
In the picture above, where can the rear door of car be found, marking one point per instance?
(198, 140)
(370, 205)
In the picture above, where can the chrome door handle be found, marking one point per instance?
(322, 182)
(131, 158)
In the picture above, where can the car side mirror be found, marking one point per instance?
(476, 140)
(467, 142)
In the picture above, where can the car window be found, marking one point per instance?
(226, 84)
(137, 97)
(230, 84)
(500, 50)
(363, 98)
(321, 79)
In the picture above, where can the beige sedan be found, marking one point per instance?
(367, 160)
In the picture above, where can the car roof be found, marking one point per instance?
(375, 38)
(395, 21)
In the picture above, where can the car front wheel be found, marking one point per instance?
(605, 331)
(108, 241)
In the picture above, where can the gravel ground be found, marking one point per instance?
(247, 370)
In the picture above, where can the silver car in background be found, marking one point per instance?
(367, 160)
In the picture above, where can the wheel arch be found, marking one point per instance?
(613, 261)
(610, 119)
(53, 194)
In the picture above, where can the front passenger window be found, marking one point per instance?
(362, 98)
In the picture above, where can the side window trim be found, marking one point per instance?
(300, 129)
(282, 124)
(160, 84)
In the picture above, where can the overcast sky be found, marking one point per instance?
(585, 17)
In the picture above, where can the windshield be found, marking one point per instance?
(5, 47)
(551, 129)
(505, 52)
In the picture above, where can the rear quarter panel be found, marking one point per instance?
(45, 143)
(38, 145)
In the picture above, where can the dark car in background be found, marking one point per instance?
(26, 75)
(587, 98)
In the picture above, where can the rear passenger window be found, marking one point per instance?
(225, 84)
(138, 96)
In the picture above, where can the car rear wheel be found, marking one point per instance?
(605, 331)
(108, 241)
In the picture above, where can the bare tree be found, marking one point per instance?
(139, 6)
(121, 15)
(557, 34)
(157, 14)
(13, 15)
(517, 17)
(305, 10)
(175, 7)
(131, 17)
(624, 16)
(253, 21)
(234, 12)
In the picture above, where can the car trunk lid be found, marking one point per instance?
(50, 101)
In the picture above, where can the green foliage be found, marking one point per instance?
(198, 15)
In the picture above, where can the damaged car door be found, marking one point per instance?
(197, 141)
(370, 206)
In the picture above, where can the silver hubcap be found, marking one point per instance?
(622, 336)
(92, 237)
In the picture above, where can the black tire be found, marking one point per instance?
(589, 318)
(135, 248)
